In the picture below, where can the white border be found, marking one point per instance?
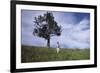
(20, 65)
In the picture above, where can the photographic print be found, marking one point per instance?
(54, 36)
(51, 36)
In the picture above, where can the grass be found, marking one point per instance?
(43, 54)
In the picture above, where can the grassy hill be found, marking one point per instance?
(43, 54)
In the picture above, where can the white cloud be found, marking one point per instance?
(74, 36)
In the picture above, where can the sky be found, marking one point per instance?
(75, 29)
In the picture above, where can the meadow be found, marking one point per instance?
(43, 54)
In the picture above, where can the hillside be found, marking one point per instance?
(42, 54)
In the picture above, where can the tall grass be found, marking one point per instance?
(43, 54)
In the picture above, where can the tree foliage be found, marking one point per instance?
(46, 27)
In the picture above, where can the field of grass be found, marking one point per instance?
(41, 54)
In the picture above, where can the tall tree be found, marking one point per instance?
(46, 27)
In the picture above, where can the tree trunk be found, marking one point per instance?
(48, 43)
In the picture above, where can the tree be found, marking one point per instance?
(46, 27)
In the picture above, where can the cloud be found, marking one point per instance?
(75, 36)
